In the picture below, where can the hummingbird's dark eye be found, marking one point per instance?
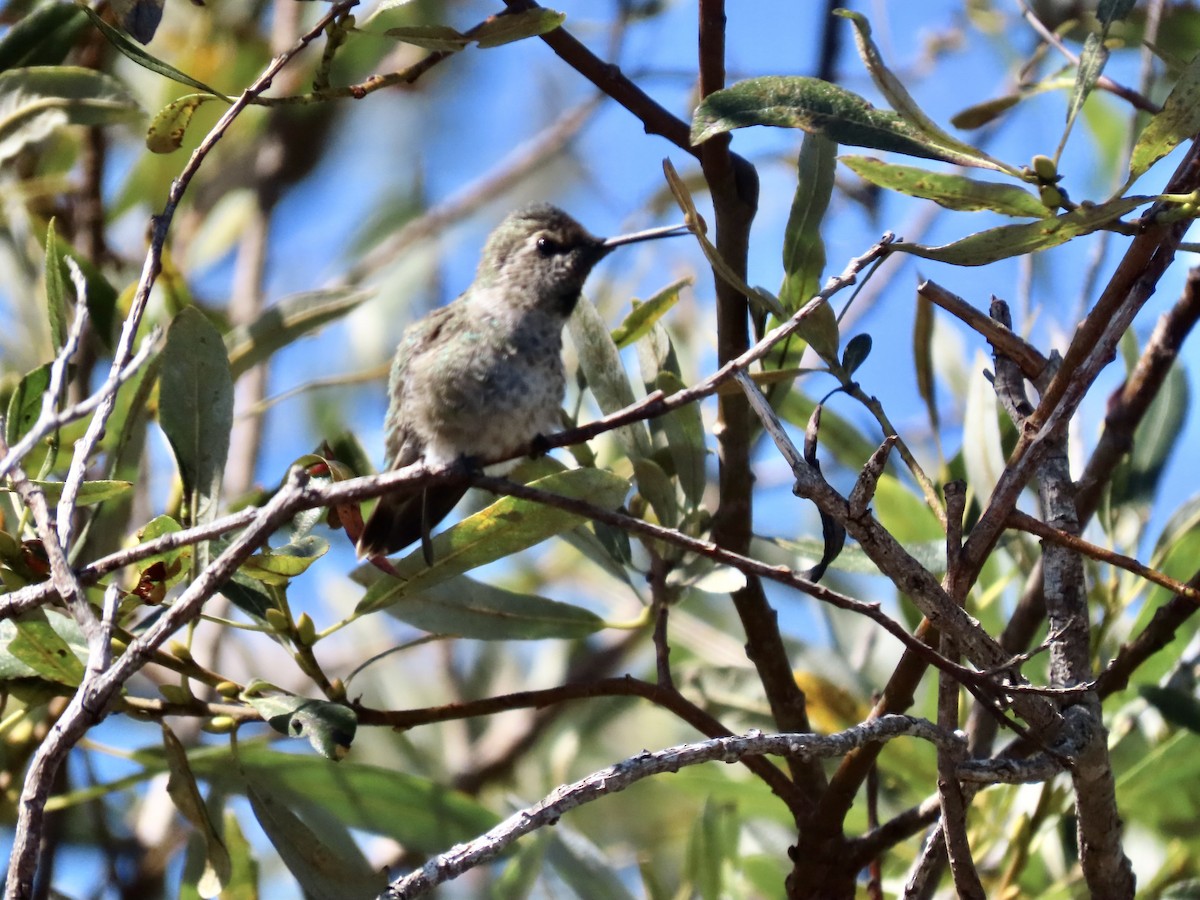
(548, 246)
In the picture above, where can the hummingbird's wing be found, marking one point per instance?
(405, 516)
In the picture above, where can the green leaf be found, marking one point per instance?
(903, 512)
(600, 362)
(154, 529)
(1156, 437)
(946, 189)
(472, 609)
(980, 114)
(644, 315)
(196, 407)
(37, 101)
(506, 527)
(583, 867)
(853, 560)
(712, 849)
(329, 727)
(325, 873)
(439, 38)
(360, 796)
(169, 125)
(185, 794)
(657, 489)
(1178, 120)
(499, 30)
(56, 292)
(923, 358)
(90, 492)
(818, 107)
(1092, 60)
(49, 643)
(1018, 240)
(243, 880)
(1177, 707)
(820, 331)
(285, 322)
(146, 60)
(44, 37)
(101, 296)
(803, 249)
(901, 101)
(684, 428)
(250, 596)
(275, 565)
(25, 404)
(856, 353)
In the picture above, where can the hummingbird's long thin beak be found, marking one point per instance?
(650, 234)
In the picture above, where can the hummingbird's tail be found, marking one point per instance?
(400, 519)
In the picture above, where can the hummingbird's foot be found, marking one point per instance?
(468, 466)
(539, 446)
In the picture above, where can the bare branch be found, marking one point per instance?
(1000, 336)
(614, 779)
(62, 580)
(954, 800)
(1106, 868)
(1026, 522)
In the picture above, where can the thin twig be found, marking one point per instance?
(52, 396)
(70, 489)
(60, 418)
(1026, 522)
(1016, 348)
(609, 78)
(62, 578)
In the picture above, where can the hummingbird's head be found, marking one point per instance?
(539, 257)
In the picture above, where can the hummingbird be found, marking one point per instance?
(483, 376)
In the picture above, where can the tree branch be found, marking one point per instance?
(614, 779)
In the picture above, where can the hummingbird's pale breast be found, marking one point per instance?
(491, 382)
